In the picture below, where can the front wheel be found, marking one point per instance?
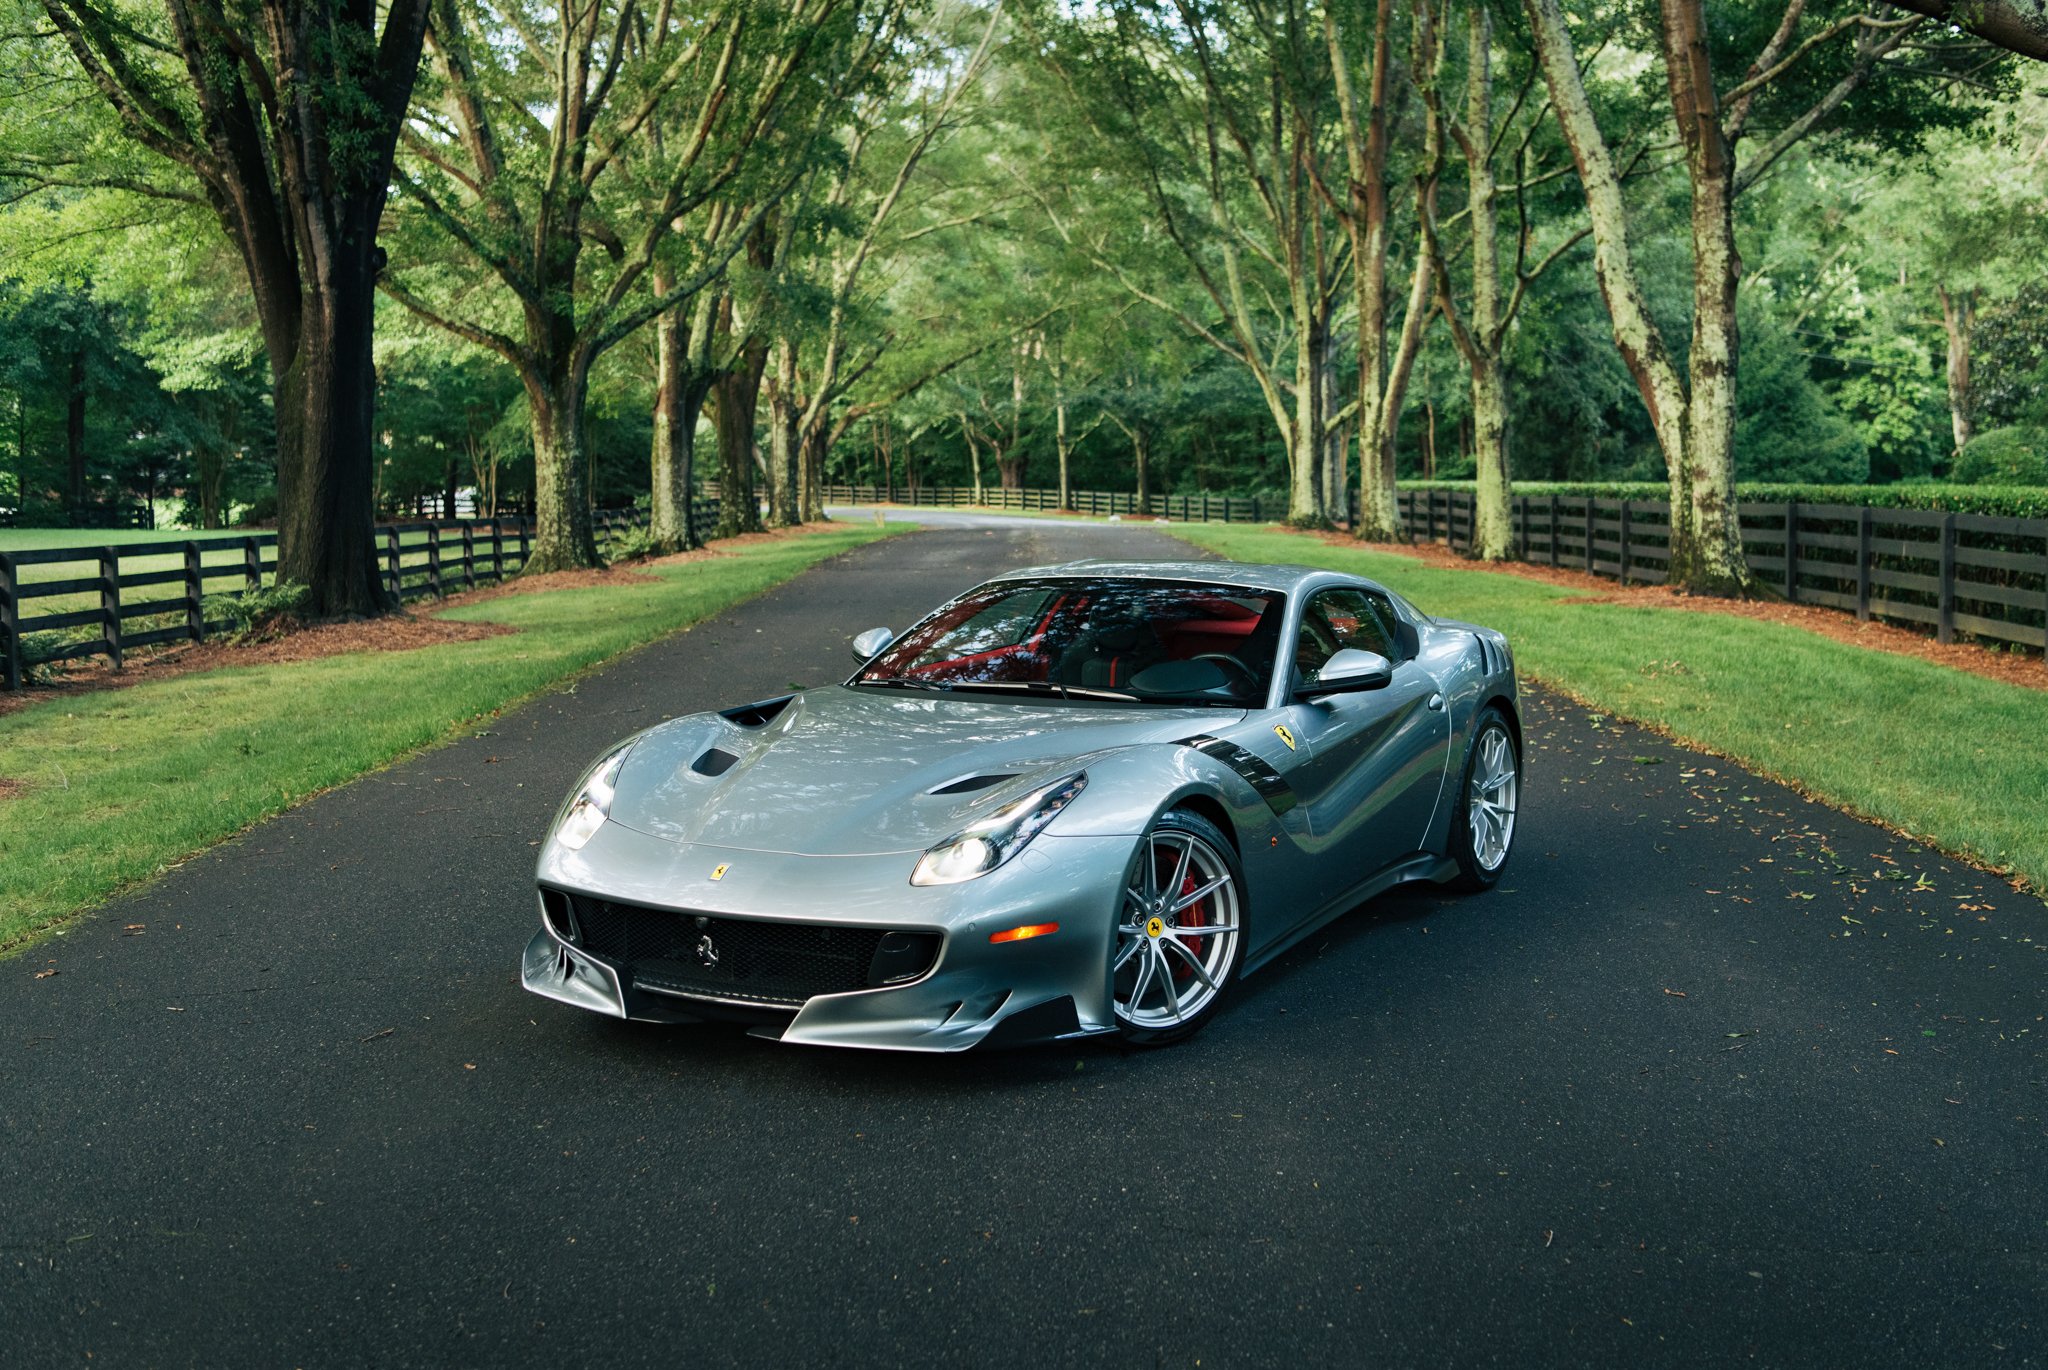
(1180, 935)
(1484, 831)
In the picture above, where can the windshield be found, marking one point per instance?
(1147, 641)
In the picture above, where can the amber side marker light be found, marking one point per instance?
(1027, 931)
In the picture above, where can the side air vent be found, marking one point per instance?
(968, 784)
(714, 762)
(759, 714)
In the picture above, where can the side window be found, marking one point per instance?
(1335, 620)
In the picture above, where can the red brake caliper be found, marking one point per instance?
(1194, 916)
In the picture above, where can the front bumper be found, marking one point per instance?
(975, 994)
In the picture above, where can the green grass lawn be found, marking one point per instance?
(119, 784)
(1944, 755)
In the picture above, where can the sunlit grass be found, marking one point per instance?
(1945, 755)
(118, 784)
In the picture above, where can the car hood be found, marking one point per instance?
(844, 772)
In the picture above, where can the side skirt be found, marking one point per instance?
(1420, 866)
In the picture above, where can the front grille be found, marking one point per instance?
(755, 962)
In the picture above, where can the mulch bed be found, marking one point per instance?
(2010, 668)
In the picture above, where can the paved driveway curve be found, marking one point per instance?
(1717, 1076)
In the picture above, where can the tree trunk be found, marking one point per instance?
(736, 394)
(1636, 334)
(1141, 456)
(1706, 554)
(1493, 530)
(74, 433)
(325, 406)
(783, 455)
(1010, 467)
(562, 534)
(973, 457)
(813, 492)
(678, 397)
(1063, 446)
(1958, 319)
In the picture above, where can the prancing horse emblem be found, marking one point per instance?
(719, 872)
(1285, 736)
(707, 950)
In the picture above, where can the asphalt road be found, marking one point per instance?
(1717, 1076)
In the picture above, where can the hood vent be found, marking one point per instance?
(714, 762)
(759, 714)
(968, 784)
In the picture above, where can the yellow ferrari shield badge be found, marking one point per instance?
(1285, 736)
(719, 873)
(1155, 927)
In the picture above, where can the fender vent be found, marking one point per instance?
(968, 784)
(714, 762)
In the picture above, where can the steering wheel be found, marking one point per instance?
(1246, 682)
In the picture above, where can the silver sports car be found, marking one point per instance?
(1077, 799)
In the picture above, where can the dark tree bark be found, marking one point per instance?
(734, 396)
(290, 133)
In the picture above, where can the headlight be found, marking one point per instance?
(988, 842)
(585, 813)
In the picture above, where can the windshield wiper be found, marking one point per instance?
(1041, 687)
(897, 682)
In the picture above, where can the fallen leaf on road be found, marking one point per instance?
(1676, 993)
(375, 1035)
(469, 1065)
(45, 974)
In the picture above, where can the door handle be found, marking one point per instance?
(1436, 703)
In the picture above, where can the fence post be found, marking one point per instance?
(1792, 552)
(469, 555)
(1553, 530)
(392, 571)
(1863, 563)
(110, 603)
(1947, 628)
(434, 558)
(1592, 510)
(252, 563)
(10, 634)
(498, 549)
(525, 529)
(195, 608)
(1522, 528)
(1623, 569)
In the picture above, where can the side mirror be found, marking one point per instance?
(872, 644)
(1350, 670)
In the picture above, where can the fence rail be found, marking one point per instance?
(175, 578)
(1185, 508)
(1980, 574)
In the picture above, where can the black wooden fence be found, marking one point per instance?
(1186, 508)
(1972, 573)
(425, 558)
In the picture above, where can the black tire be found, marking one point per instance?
(1200, 968)
(1475, 839)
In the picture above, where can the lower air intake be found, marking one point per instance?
(746, 960)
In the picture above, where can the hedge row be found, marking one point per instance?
(2012, 501)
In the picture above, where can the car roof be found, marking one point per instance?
(1286, 579)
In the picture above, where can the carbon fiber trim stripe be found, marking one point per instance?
(1257, 771)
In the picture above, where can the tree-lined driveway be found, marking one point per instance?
(1717, 1075)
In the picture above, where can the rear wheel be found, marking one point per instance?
(1483, 833)
(1180, 935)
